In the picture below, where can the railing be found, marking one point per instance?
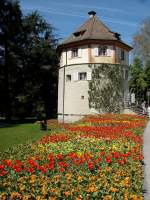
(139, 111)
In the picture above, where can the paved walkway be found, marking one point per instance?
(146, 150)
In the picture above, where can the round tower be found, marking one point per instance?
(92, 45)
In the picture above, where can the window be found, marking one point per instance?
(68, 77)
(82, 76)
(122, 55)
(74, 53)
(82, 97)
(102, 51)
(77, 76)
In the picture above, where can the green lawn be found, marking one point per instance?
(13, 134)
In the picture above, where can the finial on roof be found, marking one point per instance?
(92, 13)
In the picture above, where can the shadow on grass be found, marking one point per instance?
(12, 123)
(15, 123)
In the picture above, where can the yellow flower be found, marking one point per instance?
(79, 153)
(3, 196)
(126, 195)
(141, 197)
(22, 188)
(68, 176)
(38, 198)
(53, 190)
(78, 198)
(67, 193)
(79, 178)
(44, 190)
(92, 188)
(52, 198)
(114, 189)
(126, 182)
(108, 169)
(32, 179)
(92, 178)
(114, 147)
(26, 197)
(15, 194)
(107, 197)
(134, 197)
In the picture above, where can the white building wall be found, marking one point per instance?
(118, 57)
(76, 94)
(75, 91)
(82, 58)
(74, 105)
(103, 59)
(113, 56)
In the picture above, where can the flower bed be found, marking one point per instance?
(97, 158)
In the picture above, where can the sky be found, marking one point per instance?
(122, 16)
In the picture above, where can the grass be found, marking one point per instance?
(13, 134)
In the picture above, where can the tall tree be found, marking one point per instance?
(29, 67)
(142, 41)
(40, 65)
(10, 26)
(138, 79)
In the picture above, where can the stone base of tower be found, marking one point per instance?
(128, 111)
(69, 118)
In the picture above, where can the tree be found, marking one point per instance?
(39, 66)
(28, 73)
(10, 26)
(142, 41)
(138, 79)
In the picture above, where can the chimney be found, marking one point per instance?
(92, 13)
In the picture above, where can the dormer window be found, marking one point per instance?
(79, 33)
(102, 51)
(74, 53)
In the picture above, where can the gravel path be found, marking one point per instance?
(146, 150)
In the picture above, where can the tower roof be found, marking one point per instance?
(92, 29)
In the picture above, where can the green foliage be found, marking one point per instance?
(30, 62)
(10, 21)
(106, 88)
(147, 73)
(14, 134)
(139, 82)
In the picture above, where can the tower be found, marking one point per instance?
(92, 46)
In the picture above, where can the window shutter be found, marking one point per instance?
(69, 54)
(109, 50)
(89, 76)
(96, 51)
(79, 52)
(75, 76)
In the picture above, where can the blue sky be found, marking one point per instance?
(122, 16)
